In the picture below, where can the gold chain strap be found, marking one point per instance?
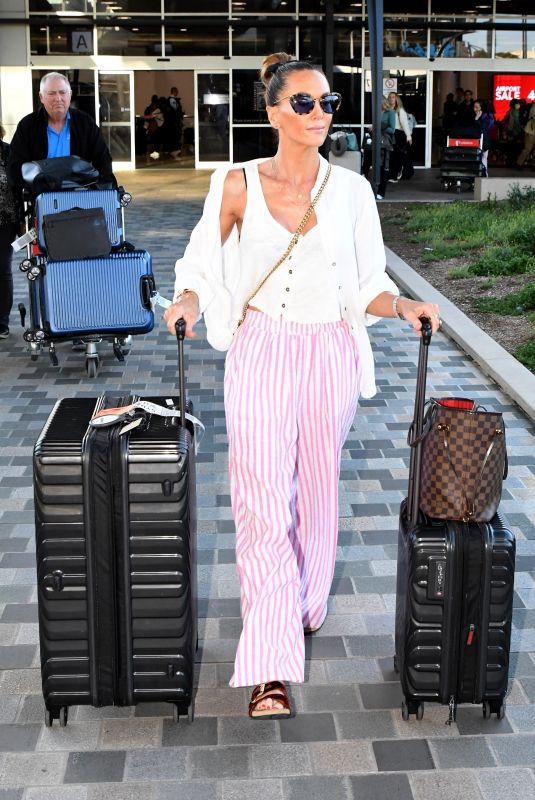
(297, 234)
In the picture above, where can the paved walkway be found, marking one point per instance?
(348, 740)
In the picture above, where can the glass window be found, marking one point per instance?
(263, 6)
(129, 7)
(415, 8)
(348, 82)
(412, 89)
(508, 43)
(213, 116)
(247, 96)
(460, 44)
(61, 6)
(82, 84)
(404, 41)
(256, 41)
(196, 6)
(260, 142)
(71, 38)
(310, 42)
(341, 7)
(129, 40)
(530, 41)
(347, 44)
(196, 41)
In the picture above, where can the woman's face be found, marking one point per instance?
(306, 129)
(477, 107)
(392, 99)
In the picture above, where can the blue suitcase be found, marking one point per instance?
(54, 202)
(109, 296)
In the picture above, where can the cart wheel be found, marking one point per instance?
(34, 356)
(63, 716)
(396, 665)
(49, 719)
(420, 711)
(91, 367)
(405, 712)
(500, 713)
(486, 709)
(176, 715)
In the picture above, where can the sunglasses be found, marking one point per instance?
(304, 103)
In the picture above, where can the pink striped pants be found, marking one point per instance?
(291, 393)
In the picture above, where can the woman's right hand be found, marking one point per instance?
(188, 307)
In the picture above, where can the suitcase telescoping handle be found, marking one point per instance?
(180, 328)
(413, 497)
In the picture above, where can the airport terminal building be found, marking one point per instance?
(118, 53)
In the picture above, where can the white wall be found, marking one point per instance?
(15, 97)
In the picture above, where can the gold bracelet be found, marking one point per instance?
(395, 309)
(181, 294)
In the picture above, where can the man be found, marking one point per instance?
(465, 111)
(177, 115)
(57, 130)
(529, 138)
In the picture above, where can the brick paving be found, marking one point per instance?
(348, 739)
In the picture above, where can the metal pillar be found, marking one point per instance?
(375, 26)
(328, 55)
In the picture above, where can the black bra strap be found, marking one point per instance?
(245, 177)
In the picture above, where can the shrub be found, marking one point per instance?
(520, 198)
(526, 355)
(503, 261)
(513, 304)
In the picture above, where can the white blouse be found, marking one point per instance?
(303, 288)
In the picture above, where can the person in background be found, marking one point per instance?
(298, 358)
(403, 138)
(465, 110)
(485, 120)
(529, 138)
(57, 130)
(176, 121)
(388, 131)
(459, 96)
(512, 132)
(10, 222)
(448, 113)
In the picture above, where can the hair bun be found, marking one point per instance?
(271, 64)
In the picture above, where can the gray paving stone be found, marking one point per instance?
(370, 645)
(9, 707)
(247, 789)
(396, 756)
(32, 769)
(445, 786)
(240, 730)
(282, 760)
(522, 718)
(326, 698)
(95, 767)
(17, 738)
(471, 721)
(20, 612)
(499, 783)
(384, 695)
(514, 750)
(60, 793)
(202, 732)
(11, 794)
(76, 736)
(186, 790)
(365, 725)
(315, 788)
(121, 791)
(130, 734)
(220, 762)
(156, 765)
(17, 656)
(395, 786)
(308, 728)
(342, 758)
(466, 751)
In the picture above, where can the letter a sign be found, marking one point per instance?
(82, 41)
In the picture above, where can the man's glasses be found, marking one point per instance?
(304, 103)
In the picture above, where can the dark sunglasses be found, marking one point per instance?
(304, 103)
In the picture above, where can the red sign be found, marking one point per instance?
(463, 142)
(512, 87)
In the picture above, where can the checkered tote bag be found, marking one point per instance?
(463, 460)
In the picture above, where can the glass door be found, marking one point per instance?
(116, 115)
(212, 117)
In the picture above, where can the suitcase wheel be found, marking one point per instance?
(412, 708)
(56, 712)
(91, 366)
(63, 716)
(495, 707)
(178, 711)
(396, 665)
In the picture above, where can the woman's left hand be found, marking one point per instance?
(412, 310)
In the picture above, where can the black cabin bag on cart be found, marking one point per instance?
(454, 597)
(116, 566)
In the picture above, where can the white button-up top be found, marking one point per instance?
(352, 242)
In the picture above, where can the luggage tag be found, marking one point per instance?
(156, 299)
(26, 238)
(135, 423)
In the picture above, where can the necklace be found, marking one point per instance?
(302, 196)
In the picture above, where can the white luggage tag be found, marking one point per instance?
(156, 299)
(26, 238)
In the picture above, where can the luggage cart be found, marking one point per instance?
(462, 163)
(38, 334)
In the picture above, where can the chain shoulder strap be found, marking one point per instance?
(295, 238)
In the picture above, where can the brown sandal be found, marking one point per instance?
(277, 691)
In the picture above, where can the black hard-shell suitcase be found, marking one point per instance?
(454, 600)
(116, 568)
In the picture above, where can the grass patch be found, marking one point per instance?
(513, 304)
(441, 251)
(507, 260)
(526, 355)
(458, 273)
(488, 284)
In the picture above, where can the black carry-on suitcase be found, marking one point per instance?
(454, 599)
(116, 567)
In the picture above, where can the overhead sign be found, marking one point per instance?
(512, 87)
(82, 41)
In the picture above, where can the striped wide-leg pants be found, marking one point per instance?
(291, 393)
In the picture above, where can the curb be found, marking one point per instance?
(515, 380)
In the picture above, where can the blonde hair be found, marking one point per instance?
(385, 105)
(2, 131)
(274, 72)
(398, 104)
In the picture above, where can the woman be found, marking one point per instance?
(9, 226)
(513, 132)
(403, 139)
(388, 130)
(295, 367)
(485, 120)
